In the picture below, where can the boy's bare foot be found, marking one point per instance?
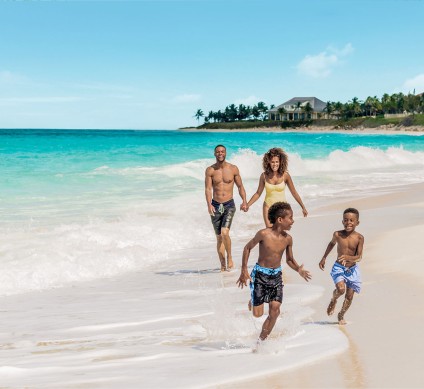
(342, 321)
(249, 305)
(331, 306)
(230, 264)
(255, 348)
(223, 268)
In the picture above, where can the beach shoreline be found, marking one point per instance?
(110, 274)
(389, 304)
(384, 130)
(97, 333)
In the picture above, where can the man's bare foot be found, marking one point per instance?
(331, 306)
(230, 264)
(249, 305)
(342, 321)
(222, 260)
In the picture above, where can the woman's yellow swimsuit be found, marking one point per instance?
(274, 193)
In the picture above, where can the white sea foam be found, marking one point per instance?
(160, 210)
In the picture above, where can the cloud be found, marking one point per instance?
(416, 83)
(186, 98)
(321, 65)
(251, 100)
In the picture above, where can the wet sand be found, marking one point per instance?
(384, 327)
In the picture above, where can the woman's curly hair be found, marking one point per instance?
(275, 152)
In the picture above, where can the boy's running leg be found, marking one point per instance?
(345, 306)
(339, 291)
(274, 312)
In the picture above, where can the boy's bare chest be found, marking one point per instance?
(347, 244)
(275, 245)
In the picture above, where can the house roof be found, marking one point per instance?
(316, 104)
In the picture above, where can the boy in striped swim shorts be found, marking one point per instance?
(266, 282)
(345, 271)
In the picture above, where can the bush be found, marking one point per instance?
(295, 123)
(408, 121)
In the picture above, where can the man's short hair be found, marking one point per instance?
(278, 209)
(219, 146)
(352, 210)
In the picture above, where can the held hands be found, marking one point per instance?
(322, 264)
(304, 273)
(244, 207)
(244, 277)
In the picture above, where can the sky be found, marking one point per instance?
(153, 64)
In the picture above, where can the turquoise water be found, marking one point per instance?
(84, 149)
(79, 205)
(78, 169)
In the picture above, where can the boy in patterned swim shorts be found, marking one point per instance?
(345, 271)
(266, 282)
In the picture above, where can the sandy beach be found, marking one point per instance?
(411, 130)
(100, 334)
(109, 276)
(384, 322)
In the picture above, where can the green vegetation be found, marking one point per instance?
(355, 113)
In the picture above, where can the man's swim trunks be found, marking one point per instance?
(223, 217)
(350, 275)
(266, 285)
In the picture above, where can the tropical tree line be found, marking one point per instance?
(232, 113)
(372, 106)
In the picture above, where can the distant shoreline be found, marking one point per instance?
(410, 130)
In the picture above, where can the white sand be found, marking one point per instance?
(385, 321)
(186, 325)
(412, 130)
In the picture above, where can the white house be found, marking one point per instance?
(297, 109)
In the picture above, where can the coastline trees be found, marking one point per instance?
(397, 103)
(199, 113)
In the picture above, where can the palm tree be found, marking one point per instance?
(255, 112)
(263, 109)
(307, 108)
(282, 111)
(211, 115)
(329, 109)
(199, 113)
(356, 106)
(297, 108)
(338, 109)
(385, 102)
(243, 112)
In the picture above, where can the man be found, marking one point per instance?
(219, 184)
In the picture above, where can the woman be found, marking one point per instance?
(274, 179)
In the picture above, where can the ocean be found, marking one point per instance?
(79, 205)
(108, 271)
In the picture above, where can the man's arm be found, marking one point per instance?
(351, 259)
(292, 262)
(244, 275)
(328, 250)
(208, 190)
(242, 192)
